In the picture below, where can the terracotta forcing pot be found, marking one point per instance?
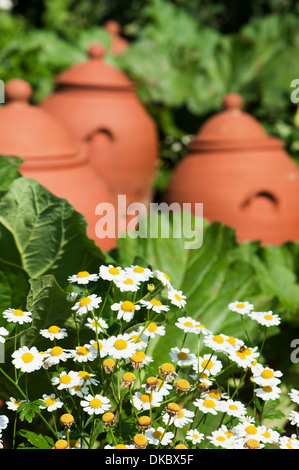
(52, 157)
(243, 177)
(97, 104)
(118, 43)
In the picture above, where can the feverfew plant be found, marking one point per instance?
(114, 390)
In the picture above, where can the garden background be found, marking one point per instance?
(184, 57)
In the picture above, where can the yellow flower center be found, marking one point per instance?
(167, 277)
(129, 377)
(188, 323)
(109, 362)
(241, 354)
(120, 446)
(233, 407)
(85, 301)
(140, 439)
(182, 355)
(137, 357)
(54, 329)
(27, 357)
(61, 444)
(66, 418)
(152, 327)
(173, 407)
(108, 417)
(267, 388)
(218, 339)
(220, 438)
(114, 271)
(167, 367)
(129, 282)
(184, 384)
(95, 403)
(50, 401)
(253, 444)
(240, 305)
(139, 269)
(65, 379)
(145, 398)
(267, 374)
(17, 403)
(97, 345)
(181, 414)
(127, 306)
(207, 364)
(178, 297)
(268, 317)
(214, 393)
(83, 351)
(144, 421)
(157, 434)
(251, 429)
(120, 344)
(152, 381)
(231, 340)
(195, 436)
(56, 351)
(266, 434)
(209, 403)
(18, 313)
(156, 302)
(83, 274)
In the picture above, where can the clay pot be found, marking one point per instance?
(97, 104)
(243, 177)
(118, 43)
(51, 156)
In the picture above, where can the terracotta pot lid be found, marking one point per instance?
(28, 131)
(95, 72)
(232, 129)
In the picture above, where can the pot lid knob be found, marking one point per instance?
(96, 51)
(18, 89)
(232, 101)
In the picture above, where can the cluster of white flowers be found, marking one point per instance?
(96, 371)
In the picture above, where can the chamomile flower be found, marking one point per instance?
(97, 404)
(79, 390)
(269, 436)
(183, 417)
(207, 363)
(140, 273)
(54, 332)
(85, 353)
(294, 417)
(219, 343)
(87, 304)
(27, 359)
(98, 325)
(241, 307)
(186, 324)
(127, 284)
(13, 403)
(83, 277)
(65, 380)
(268, 392)
(3, 332)
(125, 309)
(140, 341)
(163, 278)
(177, 298)
(286, 442)
(233, 408)
(244, 356)
(266, 376)
(153, 329)
(99, 345)
(86, 378)
(207, 405)
(52, 402)
(154, 436)
(55, 355)
(164, 387)
(155, 305)
(3, 422)
(183, 357)
(17, 316)
(223, 437)
(146, 400)
(247, 429)
(265, 318)
(120, 346)
(194, 436)
(294, 395)
(112, 273)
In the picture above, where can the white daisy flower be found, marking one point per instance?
(187, 324)
(222, 437)
(139, 273)
(233, 408)
(98, 325)
(141, 342)
(54, 332)
(97, 404)
(154, 436)
(65, 380)
(207, 405)
(286, 442)
(84, 353)
(17, 316)
(99, 346)
(219, 343)
(244, 356)
(247, 429)
(194, 436)
(3, 422)
(3, 332)
(111, 273)
(240, 307)
(71, 296)
(13, 404)
(120, 346)
(79, 390)
(183, 357)
(83, 277)
(265, 318)
(164, 387)
(52, 402)
(294, 395)
(87, 304)
(128, 284)
(177, 298)
(294, 417)
(163, 277)
(269, 436)
(208, 364)
(155, 305)
(120, 446)
(28, 360)
(55, 355)
(268, 392)
(153, 329)
(147, 400)
(266, 376)
(125, 309)
(184, 417)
